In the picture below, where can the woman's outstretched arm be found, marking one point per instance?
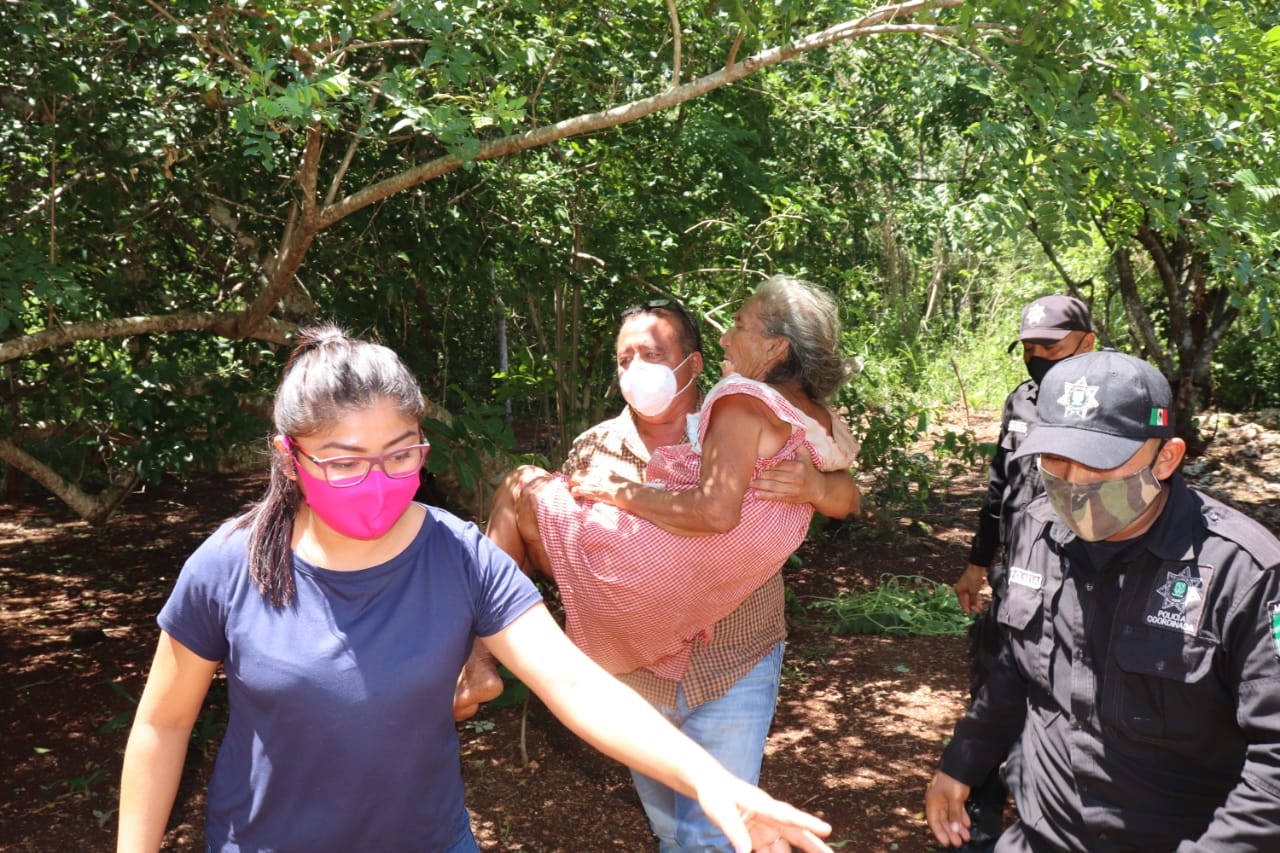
(615, 720)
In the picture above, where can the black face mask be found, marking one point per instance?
(1038, 367)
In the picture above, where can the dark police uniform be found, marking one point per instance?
(1147, 673)
(1011, 485)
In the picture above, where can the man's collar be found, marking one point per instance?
(631, 435)
(1172, 537)
(636, 442)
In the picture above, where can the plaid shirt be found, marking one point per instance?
(740, 640)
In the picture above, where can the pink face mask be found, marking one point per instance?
(364, 511)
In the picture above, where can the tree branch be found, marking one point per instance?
(341, 172)
(302, 230)
(199, 38)
(225, 324)
(1139, 319)
(1034, 227)
(307, 218)
(94, 509)
(876, 22)
(366, 45)
(1169, 278)
(675, 43)
(733, 49)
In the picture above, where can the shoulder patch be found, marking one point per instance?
(1018, 426)
(1274, 611)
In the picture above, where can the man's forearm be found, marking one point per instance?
(841, 496)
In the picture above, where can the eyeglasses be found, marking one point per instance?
(689, 329)
(344, 471)
(651, 306)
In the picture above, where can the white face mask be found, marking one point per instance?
(650, 388)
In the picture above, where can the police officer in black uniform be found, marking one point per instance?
(1141, 667)
(1052, 328)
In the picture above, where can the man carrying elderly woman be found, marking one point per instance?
(668, 527)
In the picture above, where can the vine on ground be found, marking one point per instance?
(902, 605)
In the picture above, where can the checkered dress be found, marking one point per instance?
(636, 595)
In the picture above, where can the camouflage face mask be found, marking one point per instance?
(1097, 511)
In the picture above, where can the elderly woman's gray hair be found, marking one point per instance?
(807, 317)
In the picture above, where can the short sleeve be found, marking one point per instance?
(196, 611)
(503, 592)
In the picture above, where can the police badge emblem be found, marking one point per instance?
(1079, 399)
(1178, 603)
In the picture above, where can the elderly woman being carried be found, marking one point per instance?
(646, 569)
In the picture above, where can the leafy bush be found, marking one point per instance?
(1247, 368)
(961, 452)
(472, 451)
(905, 476)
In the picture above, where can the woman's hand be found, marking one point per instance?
(771, 826)
(791, 481)
(614, 719)
(835, 494)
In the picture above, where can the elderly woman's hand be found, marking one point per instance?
(835, 494)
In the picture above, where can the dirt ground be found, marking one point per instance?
(859, 725)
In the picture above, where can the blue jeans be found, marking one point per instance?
(732, 728)
(465, 842)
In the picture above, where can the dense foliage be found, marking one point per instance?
(483, 185)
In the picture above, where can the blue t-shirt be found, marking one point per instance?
(341, 734)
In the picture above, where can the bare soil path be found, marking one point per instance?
(860, 720)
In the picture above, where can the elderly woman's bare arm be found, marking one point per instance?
(742, 430)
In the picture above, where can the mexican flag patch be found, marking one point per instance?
(1275, 626)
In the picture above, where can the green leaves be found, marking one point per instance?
(1249, 180)
(902, 605)
(186, 159)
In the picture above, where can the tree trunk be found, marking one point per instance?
(13, 485)
(1197, 321)
(95, 509)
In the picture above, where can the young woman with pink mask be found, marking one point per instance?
(341, 611)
